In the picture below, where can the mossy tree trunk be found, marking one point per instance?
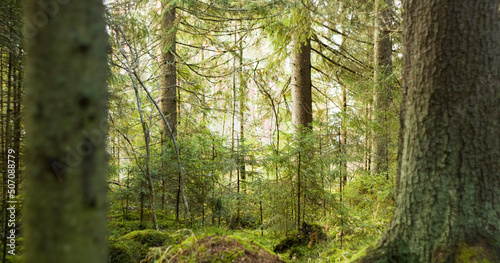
(447, 203)
(66, 102)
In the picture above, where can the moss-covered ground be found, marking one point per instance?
(213, 244)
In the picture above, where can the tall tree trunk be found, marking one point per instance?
(242, 99)
(168, 91)
(343, 139)
(301, 84)
(241, 145)
(66, 71)
(367, 152)
(301, 90)
(447, 205)
(369, 46)
(382, 88)
(233, 113)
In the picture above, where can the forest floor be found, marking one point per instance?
(212, 244)
(334, 236)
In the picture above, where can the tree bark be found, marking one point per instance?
(242, 99)
(343, 140)
(382, 88)
(168, 92)
(301, 89)
(301, 83)
(66, 70)
(447, 204)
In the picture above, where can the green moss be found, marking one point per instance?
(125, 251)
(220, 249)
(149, 237)
(119, 227)
(298, 252)
(15, 259)
(188, 243)
(247, 244)
(470, 254)
(295, 239)
(134, 246)
(360, 254)
(300, 238)
(19, 252)
(228, 256)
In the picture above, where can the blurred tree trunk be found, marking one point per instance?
(447, 204)
(66, 71)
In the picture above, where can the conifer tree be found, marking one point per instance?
(447, 202)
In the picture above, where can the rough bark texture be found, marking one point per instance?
(301, 90)
(66, 71)
(301, 83)
(382, 89)
(168, 92)
(447, 206)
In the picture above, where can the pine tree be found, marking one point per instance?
(301, 91)
(447, 203)
(382, 89)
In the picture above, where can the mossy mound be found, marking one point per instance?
(119, 228)
(215, 249)
(125, 251)
(134, 246)
(300, 238)
(293, 240)
(148, 237)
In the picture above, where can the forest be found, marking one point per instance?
(250, 131)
